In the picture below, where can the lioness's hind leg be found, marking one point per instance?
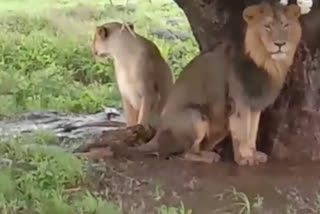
(244, 126)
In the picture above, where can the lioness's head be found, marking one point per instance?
(106, 36)
(273, 32)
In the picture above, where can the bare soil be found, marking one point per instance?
(143, 185)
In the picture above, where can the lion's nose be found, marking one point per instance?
(279, 44)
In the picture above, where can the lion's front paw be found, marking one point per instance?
(254, 158)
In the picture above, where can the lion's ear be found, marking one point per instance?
(293, 11)
(102, 31)
(251, 12)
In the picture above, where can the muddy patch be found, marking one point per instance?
(142, 186)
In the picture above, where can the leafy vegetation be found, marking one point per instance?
(45, 58)
(40, 178)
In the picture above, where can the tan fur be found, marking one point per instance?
(144, 78)
(185, 120)
(251, 78)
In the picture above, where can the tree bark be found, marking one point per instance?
(290, 129)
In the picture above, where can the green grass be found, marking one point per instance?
(239, 201)
(45, 58)
(40, 178)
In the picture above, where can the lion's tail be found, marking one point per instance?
(150, 147)
(134, 152)
(163, 144)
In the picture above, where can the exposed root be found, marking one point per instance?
(124, 137)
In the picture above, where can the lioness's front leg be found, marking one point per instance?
(130, 113)
(244, 126)
(145, 110)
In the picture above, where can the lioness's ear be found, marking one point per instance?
(131, 26)
(102, 32)
(251, 12)
(293, 11)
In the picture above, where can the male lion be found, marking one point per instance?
(272, 35)
(251, 75)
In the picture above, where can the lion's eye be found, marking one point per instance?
(267, 27)
(285, 26)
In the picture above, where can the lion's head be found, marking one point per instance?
(273, 33)
(107, 36)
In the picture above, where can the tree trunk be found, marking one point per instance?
(290, 129)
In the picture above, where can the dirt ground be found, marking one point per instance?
(142, 185)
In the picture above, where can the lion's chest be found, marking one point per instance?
(253, 84)
(254, 80)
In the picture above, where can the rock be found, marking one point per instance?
(64, 126)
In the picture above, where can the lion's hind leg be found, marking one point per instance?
(243, 125)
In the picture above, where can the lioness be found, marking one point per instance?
(251, 75)
(143, 76)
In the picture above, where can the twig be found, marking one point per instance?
(72, 190)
